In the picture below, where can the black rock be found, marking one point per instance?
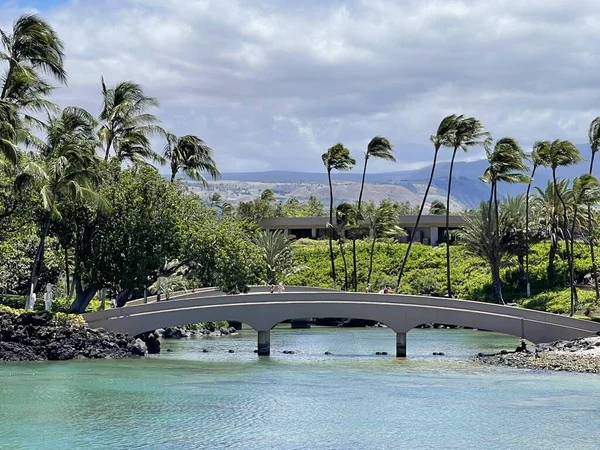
(231, 351)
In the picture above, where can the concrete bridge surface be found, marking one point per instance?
(262, 310)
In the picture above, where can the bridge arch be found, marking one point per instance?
(262, 311)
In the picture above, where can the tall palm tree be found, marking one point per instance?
(336, 158)
(125, 123)
(535, 161)
(276, 252)
(548, 209)
(585, 192)
(562, 153)
(32, 47)
(468, 132)
(191, 155)
(380, 148)
(594, 140)
(382, 221)
(505, 165)
(345, 218)
(9, 132)
(441, 138)
(68, 170)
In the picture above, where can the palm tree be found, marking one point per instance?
(9, 132)
(585, 192)
(382, 221)
(478, 238)
(535, 160)
(505, 165)
(345, 218)
(380, 148)
(276, 252)
(548, 209)
(445, 132)
(594, 139)
(32, 47)
(126, 124)
(467, 132)
(191, 155)
(560, 154)
(336, 158)
(69, 170)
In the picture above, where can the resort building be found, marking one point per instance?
(430, 231)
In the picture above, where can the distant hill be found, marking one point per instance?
(467, 189)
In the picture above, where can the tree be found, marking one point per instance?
(276, 253)
(336, 158)
(68, 171)
(382, 221)
(380, 148)
(562, 153)
(345, 218)
(479, 239)
(467, 132)
(445, 132)
(32, 47)
(535, 160)
(191, 155)
(126, 124)
(585, 192)
(437, 208)
(594, 140)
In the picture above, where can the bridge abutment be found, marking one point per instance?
(400, 345)
(264, 343)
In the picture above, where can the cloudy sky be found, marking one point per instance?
(271, 84)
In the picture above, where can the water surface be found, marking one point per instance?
(349, 400)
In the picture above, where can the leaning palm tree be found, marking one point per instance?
(468, 132)
(505, 165)
(445, 131)
(191, 155)
(380, 148)
(68, 171)
(594, 140)
(561, 154)
(535, 161)
(276, 252)
(382, 221)
(585, 192)
(32, 47)
(9, 132)
(126, 122)
(336, 158)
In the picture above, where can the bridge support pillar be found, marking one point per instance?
(400, 345)
(264, 343)
(300, 323)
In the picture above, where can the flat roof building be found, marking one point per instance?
(430, 231)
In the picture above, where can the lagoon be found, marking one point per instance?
(350, 399)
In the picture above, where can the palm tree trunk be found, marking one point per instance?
(448, 284)
(571, 263)
(343, 253)
(67, 269)
(591, 239)
(331, 229)
(108, 145)
(551, 257)
(566, 238)
(358, 217)
(496, 231)
(371, 259)
(496, 283)
(38, 258)
(528, 289)
(414, 230)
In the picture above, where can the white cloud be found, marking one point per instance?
(273, 84)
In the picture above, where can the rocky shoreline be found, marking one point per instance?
(579, 355)
(36, 337)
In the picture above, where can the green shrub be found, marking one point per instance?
(14, 311)
(64, 319)
(559, 301)
(212, 326)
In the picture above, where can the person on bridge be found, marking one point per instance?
(280, 288)
(368, 288)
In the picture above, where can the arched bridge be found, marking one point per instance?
(262, 311)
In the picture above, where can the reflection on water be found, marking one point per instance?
(350, 399)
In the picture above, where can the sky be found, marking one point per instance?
(272, 84)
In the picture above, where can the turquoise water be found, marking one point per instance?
(352, 399)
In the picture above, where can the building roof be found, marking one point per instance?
(427, 220)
